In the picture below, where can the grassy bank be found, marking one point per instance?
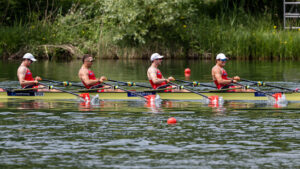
(137, 28)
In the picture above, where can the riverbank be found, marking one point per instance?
(135, 29)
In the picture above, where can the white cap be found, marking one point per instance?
(29, 56)
(156, 56)
(221, 56)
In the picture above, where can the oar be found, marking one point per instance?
(210, 99)
(93, 90)
(64, 83)
(145, 98)
(84, 96)
(277, 96)
(260, 83)
(129, 83)
(195, 83)
(28, 89)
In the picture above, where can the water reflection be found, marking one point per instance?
(135, 70)
(28, 104)
(135, 135)
(154, 107)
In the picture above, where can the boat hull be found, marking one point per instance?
(239, 96)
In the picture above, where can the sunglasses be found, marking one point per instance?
(159, 59)
(223, 60)
(30, 60)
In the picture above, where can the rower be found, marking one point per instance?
(155, 77)
(219, 74)
(87, 76)
(24, 75)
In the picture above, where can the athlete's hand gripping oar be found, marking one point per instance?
(64, 83)
(195, 83)
(129, 83)
(84, 96)
(275, 98)
(215, 100)
(145, 98)
(260, 83)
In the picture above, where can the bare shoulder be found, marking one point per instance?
(82, 71)
(151, 69)
(215, 69)
(22, 69)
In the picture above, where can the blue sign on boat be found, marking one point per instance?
(260, 94)
(25, 93)
(129, 94)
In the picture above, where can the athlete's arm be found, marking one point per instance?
(236, 78)
(102, 79)
(218, 76)
(84, 76)
(152, 76)
(37, 78)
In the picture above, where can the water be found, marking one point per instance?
(132, 134)
(135, 70)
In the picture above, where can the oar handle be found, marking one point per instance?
(264, 84)
(128, 83)
(254, 89)
(64, 83)
(195, 83)
(128, 91)
(52, 87)
(190, 90)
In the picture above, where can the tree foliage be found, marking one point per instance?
(24, 11)
(180, 26)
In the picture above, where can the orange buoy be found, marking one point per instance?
(171, 120)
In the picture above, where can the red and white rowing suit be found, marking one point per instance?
(91, 77)
(28, 77)
(224, 77)
(159, 76)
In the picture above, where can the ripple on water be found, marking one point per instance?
(132, 139)
(39, 113)
(7, 113)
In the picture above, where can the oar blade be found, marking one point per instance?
(153, 100)
(214, 100)
(278, 98)
(86, 97)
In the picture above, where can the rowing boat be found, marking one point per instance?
(234, 96)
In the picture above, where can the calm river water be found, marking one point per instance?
(132, 134)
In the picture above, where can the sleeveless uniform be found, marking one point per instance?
(163, 84)
(224, 76)
(159, 76)
(28, 77)
(92, 77)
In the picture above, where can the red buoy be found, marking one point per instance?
(187, 71)
(171, 120)
(187, 75)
